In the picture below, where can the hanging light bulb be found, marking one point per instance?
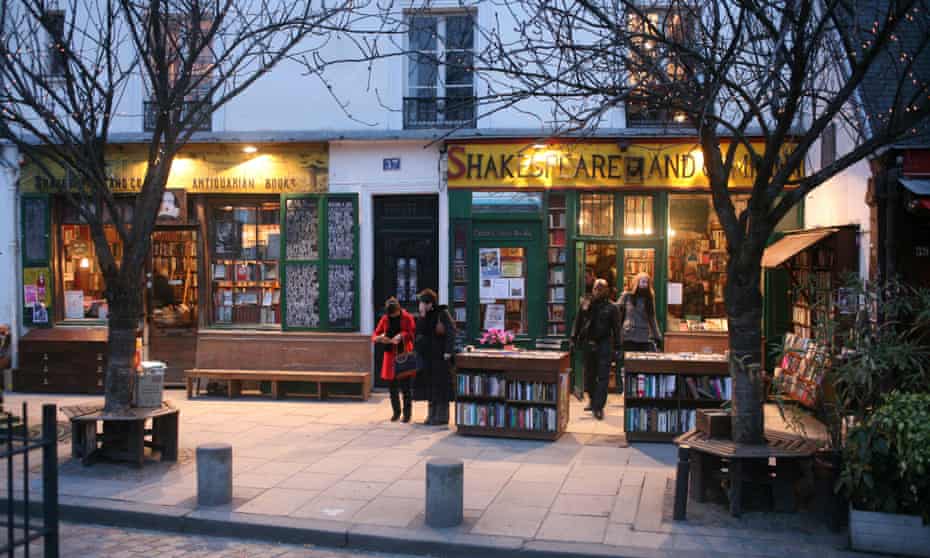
(85, 263)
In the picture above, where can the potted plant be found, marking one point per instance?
(886, 474)
(498, 338)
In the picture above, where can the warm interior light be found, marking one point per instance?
(85, 263)
(250, 149)
(539, 146)
(698, 157)
(680, 117)
(671, 232)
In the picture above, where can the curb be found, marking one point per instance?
(331, 534)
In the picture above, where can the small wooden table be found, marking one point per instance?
(705, 454)
(124, 436)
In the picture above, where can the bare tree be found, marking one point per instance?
(755, 81)
(64, 72)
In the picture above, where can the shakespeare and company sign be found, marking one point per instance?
(586, 165)
(208, 169)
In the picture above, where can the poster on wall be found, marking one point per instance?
(489, 262)
(36, 292)
(173, 207)
(39, 313)
(516, 288)
(512, 268)
(74, 305)
(494, 316)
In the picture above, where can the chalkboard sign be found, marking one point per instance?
(341, 296)
(341, 228)
(303, 295)
(302, 222)
(35, 230)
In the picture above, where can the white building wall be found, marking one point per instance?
(356, 167)
(9, 253)
(841, 200)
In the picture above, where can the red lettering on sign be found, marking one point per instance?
(456, 165)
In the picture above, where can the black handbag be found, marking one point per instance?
(405, 365)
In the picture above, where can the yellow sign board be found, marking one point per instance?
(587, 165)
(208, 169)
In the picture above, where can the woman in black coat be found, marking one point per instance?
(435, 343)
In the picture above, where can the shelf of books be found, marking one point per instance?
(512, 394)
(662, 392)
(802, 369)
(555, 306)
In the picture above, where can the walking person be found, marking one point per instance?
(596, 332)
(640, 329)
(435, 343)
(396, 330)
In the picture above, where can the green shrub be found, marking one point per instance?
(887, 457)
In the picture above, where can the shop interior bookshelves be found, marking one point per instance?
(525, 366)
(557, 272)
(680, 368)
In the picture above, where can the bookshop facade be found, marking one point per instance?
(249, 251)
(532, 226)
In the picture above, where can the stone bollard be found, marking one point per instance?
(214, 474)
(444, 492)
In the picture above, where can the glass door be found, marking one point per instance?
(172, 301)
(594, 260)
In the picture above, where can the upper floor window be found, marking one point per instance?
(55, 27)
(652, 30)
(440, 74)
(186, 39)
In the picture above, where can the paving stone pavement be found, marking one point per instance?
(89, 541)
(345, 464)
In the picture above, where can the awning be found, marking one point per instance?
(784, 249)
(920, 187)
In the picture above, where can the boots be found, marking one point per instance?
(395, 405)
(408, 408)
(442, 415)
(430, 414)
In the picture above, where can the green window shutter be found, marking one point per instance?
(37, 295)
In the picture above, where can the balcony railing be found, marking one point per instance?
(151, 115)
(639, 117)
(439, 112)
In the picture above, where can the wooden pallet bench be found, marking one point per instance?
(279, 380)
(124, 436)
(744, 463)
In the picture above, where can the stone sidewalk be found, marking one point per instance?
(339, 473)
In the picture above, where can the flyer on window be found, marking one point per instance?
(494, 316)
(489, 262)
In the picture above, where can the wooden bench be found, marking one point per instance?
(278, 378)
(745, 463)
(124, 435)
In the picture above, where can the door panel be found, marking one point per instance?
(406, 246)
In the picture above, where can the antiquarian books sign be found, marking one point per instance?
(587, 165)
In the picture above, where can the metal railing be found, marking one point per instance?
(17, 442)
(150, 115)
(439, 112)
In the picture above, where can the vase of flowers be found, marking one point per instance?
(499, 338)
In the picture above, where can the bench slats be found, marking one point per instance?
(320, 377)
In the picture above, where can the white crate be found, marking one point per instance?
(150, 384)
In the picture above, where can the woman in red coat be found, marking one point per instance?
(397, 330)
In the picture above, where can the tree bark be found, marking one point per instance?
(744, 313)
(124, 296)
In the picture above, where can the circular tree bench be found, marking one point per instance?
(124, 435)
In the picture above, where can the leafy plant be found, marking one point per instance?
(886, 464)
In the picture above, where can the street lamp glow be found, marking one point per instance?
(250, 149)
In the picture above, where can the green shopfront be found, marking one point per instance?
(532, 226)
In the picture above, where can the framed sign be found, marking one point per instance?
(173, 208)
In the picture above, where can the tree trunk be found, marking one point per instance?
(744, 313)
(124, 295)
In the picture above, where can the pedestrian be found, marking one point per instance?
(596, 332)
(435, 342)
(640, 329)
(396, 330)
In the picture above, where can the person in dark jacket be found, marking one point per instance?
(435, 343)
(396, 331)
(597, 333)
(640, 329)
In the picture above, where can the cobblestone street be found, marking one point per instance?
(87, 541)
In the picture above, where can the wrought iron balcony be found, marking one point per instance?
(439, 112)
(150, 115)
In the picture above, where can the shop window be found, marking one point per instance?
(440, 74)
(321, 262)
(82, 282)
(596, 215)
(697, 264)
(502, 289)
(506, 202)
(638, 216)
(246, 244)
